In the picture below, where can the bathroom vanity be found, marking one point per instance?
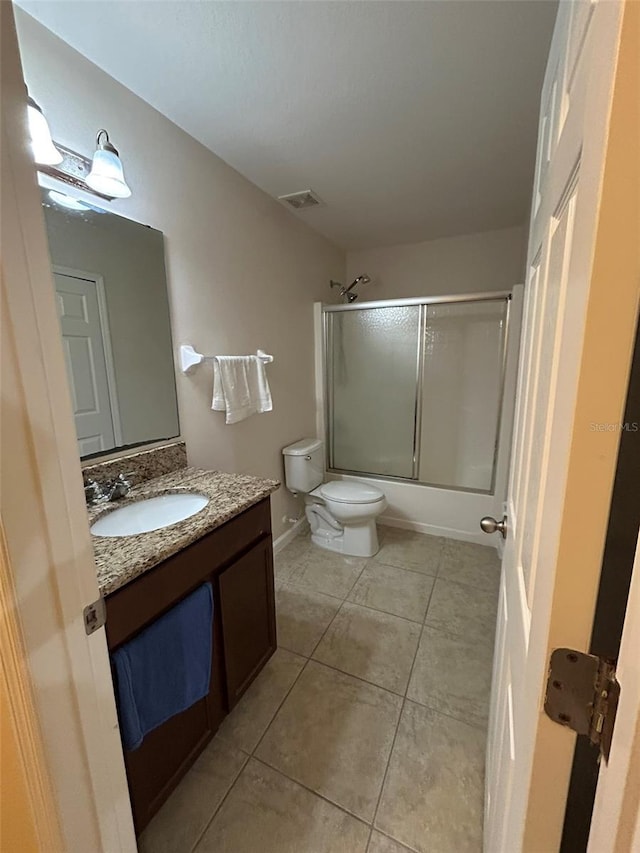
(227, 544)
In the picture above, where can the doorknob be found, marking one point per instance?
(489, 525)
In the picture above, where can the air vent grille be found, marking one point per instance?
(301, 200)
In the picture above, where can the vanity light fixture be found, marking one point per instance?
(44, 151)
(107, 175)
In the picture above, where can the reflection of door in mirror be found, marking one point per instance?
(111, 288)
(87, 350)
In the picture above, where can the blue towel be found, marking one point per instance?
(166, 668)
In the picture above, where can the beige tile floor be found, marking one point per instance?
(366, 731)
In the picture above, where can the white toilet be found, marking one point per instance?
(342, 514)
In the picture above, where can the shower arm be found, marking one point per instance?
(361, 279)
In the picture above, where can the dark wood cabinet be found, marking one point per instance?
(248, 614)
(237, 559)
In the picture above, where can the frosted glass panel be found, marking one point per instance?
(374, 369)
(462, 383)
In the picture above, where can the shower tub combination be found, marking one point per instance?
(418, 395)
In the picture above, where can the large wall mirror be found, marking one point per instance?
(111, 289)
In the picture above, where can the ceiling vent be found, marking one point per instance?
(302, 200)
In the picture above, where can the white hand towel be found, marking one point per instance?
(240, 387)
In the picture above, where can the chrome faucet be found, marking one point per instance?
(92, 492)
(114, 490)
(118, 488)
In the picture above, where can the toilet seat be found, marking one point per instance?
(342, 491)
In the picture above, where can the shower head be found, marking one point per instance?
(361, 279)
(347, 293)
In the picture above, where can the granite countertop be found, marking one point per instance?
(121, 559)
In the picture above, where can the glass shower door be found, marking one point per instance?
(462, 393)
(374, 365)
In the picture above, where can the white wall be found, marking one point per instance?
(472, 263)
(242, 272)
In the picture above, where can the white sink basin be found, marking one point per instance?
(149, 514)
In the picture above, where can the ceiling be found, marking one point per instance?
(411, 120)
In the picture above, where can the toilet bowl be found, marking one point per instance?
(342, 514)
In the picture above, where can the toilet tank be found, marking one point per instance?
(303, 465)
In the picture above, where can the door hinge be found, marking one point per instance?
(582, 693)
(95, 615)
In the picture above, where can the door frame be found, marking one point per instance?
(603, 363)
(618, 251)
(613, 594)
(103, 314)
(43, 509)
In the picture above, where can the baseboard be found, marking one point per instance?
(283, 540)
(478, 538)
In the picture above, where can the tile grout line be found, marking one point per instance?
(345, 600)
(386, 769)
(402, 568)
(366, 849)
(359, 604)
(404, 698)
(310, 658)
(333, 619)
(401, 844)
(342, 602)
(404, 702)
(277, 711)
(357, 677)
(467, 585)
(351, 675)
(251, 754)
(222, 801)
(442, 713)
(426, 612)
(384, 612)
(326, 799)
(381, 686)
(302, 586)
(360, 573)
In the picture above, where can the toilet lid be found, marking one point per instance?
(350, 493)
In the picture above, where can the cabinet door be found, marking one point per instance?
(248, 617)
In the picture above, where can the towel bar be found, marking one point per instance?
(189, 358)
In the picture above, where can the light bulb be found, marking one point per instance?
(107, 175)
(44, 151)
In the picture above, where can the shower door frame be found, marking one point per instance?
(422, 303)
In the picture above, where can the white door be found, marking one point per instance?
(575, 107)
(83, 337)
